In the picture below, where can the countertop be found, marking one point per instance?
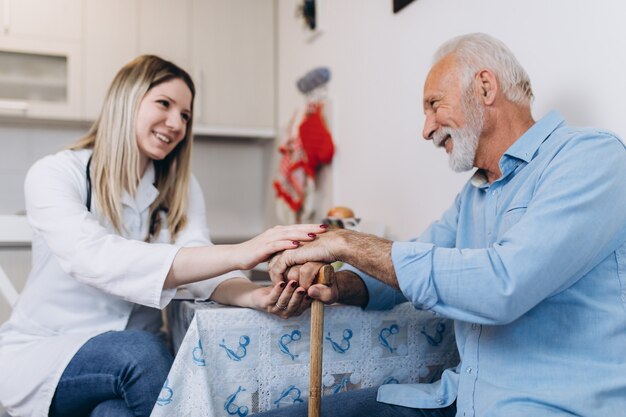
(14, 230)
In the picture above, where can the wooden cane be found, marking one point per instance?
(325, 276)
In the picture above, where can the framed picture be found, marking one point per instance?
(307, 10)
(400, 4)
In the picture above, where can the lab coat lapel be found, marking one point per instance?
(146, 192)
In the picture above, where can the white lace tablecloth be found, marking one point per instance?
(236, 362)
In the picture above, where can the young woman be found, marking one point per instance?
(119, 224)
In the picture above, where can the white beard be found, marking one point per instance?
(465, 139)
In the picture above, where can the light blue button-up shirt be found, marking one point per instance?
(532, 268)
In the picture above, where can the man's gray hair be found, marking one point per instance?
(476, 51)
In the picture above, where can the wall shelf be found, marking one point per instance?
(234, 132)
(199, 131)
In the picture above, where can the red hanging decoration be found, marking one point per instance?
(302, 155)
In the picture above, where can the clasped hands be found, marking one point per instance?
(294, 272)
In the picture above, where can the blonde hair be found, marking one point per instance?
(115, 159)
(478, 50)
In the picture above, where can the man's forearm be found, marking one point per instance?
(368, 253)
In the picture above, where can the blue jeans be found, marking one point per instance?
(113, 374)
(358, 403)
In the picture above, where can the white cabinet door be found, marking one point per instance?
(40, 66)
(165, 30)
(109, 42)
(39, 78)
(233, 60)
(42, 19)
(117, 31)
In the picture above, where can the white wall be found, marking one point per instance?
(573, 50)
(22, 145)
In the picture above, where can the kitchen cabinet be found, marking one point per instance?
(41, 19)
(109, 42)
(234, 174)
(117, 31)
(40, 66)
(233, 60)
(228, 46)
(233, 54)
(165, 30)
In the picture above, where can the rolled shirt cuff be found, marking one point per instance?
(381, 295)
(413, 262)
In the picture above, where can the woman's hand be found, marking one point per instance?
(323, 249)
(285, 299)
(260, 248)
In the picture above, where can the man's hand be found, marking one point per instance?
(306, 276)
(346, 288)
(368, 253)
(324, 249)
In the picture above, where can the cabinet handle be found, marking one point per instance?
(6, 14)
(13, 106)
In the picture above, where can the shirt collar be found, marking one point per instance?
(523, 148)
(146, 192)
(527, 145)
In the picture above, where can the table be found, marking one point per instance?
(236, 362)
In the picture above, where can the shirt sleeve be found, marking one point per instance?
(380, 295)
(574, 219)
(384, 297)
(196, 233)
(55, 203)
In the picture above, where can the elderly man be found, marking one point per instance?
(529, 262)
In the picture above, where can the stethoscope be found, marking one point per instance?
(153, 217)
(88, 175)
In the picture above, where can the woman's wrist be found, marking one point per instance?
(235, 292)
(236, 256)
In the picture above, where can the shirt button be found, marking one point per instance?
(439, 401)
(468, 369)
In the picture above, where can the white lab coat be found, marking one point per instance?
(85, 279)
